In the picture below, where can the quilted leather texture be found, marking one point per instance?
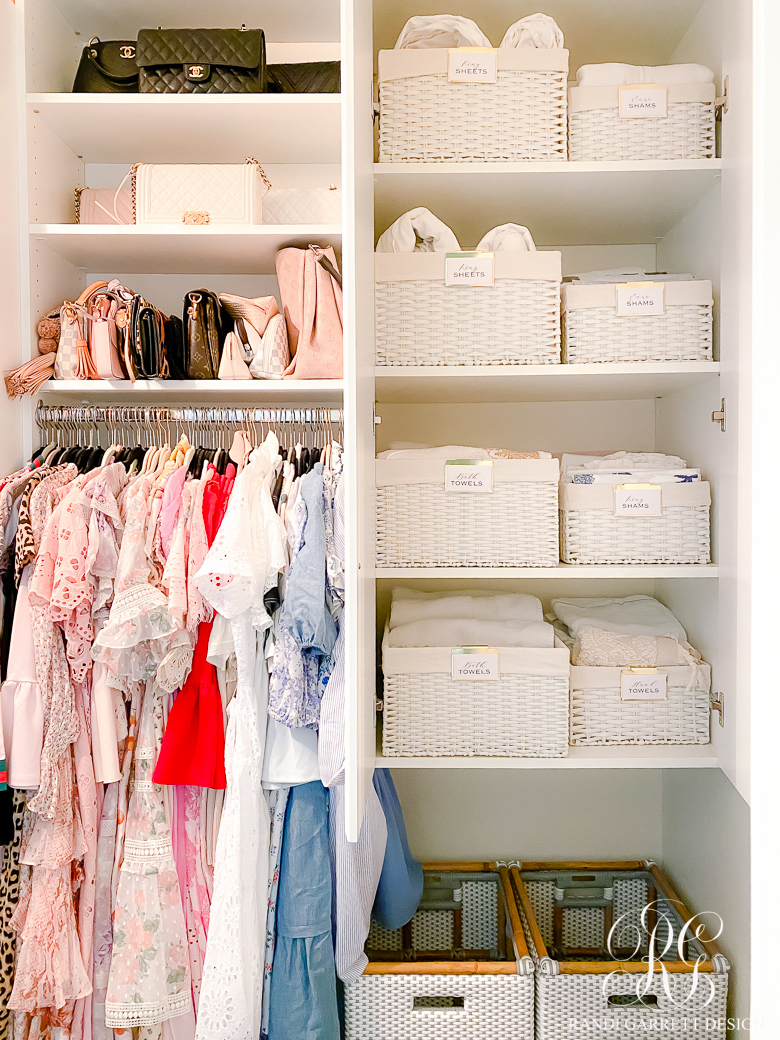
(306, 77)
(302, 206)
(236, 59)
(229, 193)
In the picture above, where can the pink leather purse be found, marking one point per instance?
(310, 287)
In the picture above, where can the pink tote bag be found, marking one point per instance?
(312, 307)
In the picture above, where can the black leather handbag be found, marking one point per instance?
(204, 334)
(107, 67)
(201, 61)
(305, 77)
(145, 346)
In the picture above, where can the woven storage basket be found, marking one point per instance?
(591, 986)
(591, 533)
(425, 118)
(594, 332)
(460, 970)
(422, 321)
(599, 716)
(597, 132)
(427, 713)
(419, 524)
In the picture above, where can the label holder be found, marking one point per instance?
(472, 65)
(644, 684)
(476, 664)
(643, 101)
(640, 299)
(632, 500)
(468, 476)
(469, 270)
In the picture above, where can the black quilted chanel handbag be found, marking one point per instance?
(107, 67)
(305, 77)
(201, 61)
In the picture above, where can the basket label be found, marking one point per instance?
(639, 298)
(643, 101)
(468, 476)
(470, 269)
(475, 663)
(472, 65)
(643, 684)
(638, 500)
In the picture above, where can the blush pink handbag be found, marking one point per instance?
(310, 287)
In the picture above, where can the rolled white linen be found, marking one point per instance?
(512, 238)
(440, 30)
(468, 632)
(409, 606)
(418, 231)
(535, 30)
(630, 616)
(613, 73)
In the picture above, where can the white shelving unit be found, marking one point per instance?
(686, 806)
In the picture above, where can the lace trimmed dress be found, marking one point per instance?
(241, 566)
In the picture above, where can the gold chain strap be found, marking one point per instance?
(133, 171)
(77, 199)
(251, 159)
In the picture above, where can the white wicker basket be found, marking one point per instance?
(484, 994)
(419, 524)
(599, 716)
(427, 713)
(591, 533)
(582, 997)
(426, 118)
(597, 132)
(594, 332)
(422, 321)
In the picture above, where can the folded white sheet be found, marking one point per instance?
(409, 606)
(535, 30)
(418, 231)
(508, 237)
(630, 616)
(613, 73)
(460, 451)
(627, 274)
(637, 460)
(441, 30)
(470, 632)
(628, 476)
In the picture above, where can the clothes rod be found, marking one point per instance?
(56, 415)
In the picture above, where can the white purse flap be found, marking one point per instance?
(199, 193)
(272, 354)
(302, 206)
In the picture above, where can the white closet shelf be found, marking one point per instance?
(563, 203)
(564, 571)
(660, 756)
(203, 391)
(183, 128)
(175, 249)
(619, 381)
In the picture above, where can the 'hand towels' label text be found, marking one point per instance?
(643, 684)
(468, 476)
(472, 65)
(469, 269)
(475, 664)
(643, 101)
(633, 300)
(638, 500)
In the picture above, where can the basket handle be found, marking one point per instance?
(428, 1002)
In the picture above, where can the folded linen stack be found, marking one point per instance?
(467, 618)
(626, 274)
(626, 467)
(421, 452)
(636, 631)
(613, 73)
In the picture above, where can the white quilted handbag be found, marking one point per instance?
(302, 206)
(199, 193)
(269, 353)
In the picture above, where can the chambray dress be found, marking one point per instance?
(303, 981)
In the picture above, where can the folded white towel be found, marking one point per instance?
(637, 460)
(627, 274)
(418, 231)
(510, 237)
(476, 605)
(614, 73)
(469, 632)
(460, 451)
(630, 616)
(535, 30)
(440, 30)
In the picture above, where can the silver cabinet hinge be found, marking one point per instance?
(377, 422)
(717, 704)
(720, 417)
(722, 102)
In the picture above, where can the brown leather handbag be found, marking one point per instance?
(204, 334)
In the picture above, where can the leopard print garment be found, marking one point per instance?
(9, 896)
